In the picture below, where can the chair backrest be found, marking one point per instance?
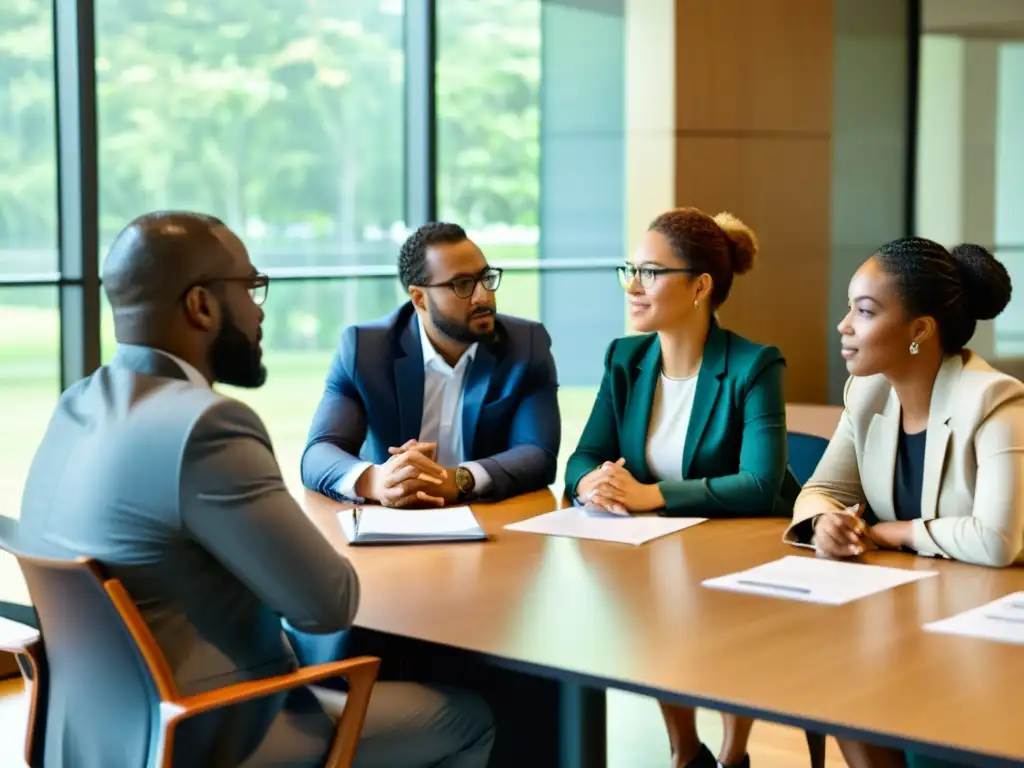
(805, 451)
(102, 697)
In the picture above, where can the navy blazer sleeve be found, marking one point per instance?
(531, 460)
(339, 424)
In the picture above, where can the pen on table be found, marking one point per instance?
(769, 585)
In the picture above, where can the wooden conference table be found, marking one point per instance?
(592, 615)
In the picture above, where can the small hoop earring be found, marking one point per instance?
(914, 347)
(696, 304)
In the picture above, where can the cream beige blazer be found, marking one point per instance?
(972, 498)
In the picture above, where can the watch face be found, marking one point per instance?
(464, 479)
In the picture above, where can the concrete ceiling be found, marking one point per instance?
(1000, 19)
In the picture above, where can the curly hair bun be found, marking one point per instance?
(743, 239)
(987, 286)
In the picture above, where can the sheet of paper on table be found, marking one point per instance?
(1001, 620)
(816, 580)
(579, 523)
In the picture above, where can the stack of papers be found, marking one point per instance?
(1001, 620)
(379, 525)
(815, 580)
(579, 523)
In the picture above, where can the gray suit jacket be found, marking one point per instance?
(176, 491)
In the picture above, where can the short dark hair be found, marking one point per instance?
(721, 246)
(412, 260)
(958, 288)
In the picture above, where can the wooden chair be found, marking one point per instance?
(96, 649)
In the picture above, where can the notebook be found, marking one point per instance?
(379, 525)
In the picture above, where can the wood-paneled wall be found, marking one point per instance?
(750, 91)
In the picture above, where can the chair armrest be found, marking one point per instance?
(356, 670)
(361, 673)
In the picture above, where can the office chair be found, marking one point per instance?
(805, 451)
(97, 653)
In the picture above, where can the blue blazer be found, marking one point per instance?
(373, 399)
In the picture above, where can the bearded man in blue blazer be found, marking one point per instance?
(444, 400)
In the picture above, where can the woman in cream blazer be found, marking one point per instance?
(929, 452)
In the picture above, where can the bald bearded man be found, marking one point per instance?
(176, 491)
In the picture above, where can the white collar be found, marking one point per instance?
(430, 354)
(194, 376)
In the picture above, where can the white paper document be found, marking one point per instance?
(15, 635)
(578, 523)
(592, 510)
(815, 580)
(1001, 620)
(380, 525)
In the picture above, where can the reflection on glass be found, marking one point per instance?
(567, 609)
(28, 157)
(283, 118)
(29, 382)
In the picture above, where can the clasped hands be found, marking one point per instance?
(410, 478)
(842, 533)
(613, 489)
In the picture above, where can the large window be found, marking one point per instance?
(283, 118)
(28, 176)
(29, 319)
(970, 158)
(306, 127)
(29, 377)
(530, 156)
(488, 121)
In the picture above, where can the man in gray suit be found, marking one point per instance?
(176, 491)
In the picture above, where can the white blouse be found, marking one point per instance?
(670, 418)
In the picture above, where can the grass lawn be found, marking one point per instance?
(29, 350)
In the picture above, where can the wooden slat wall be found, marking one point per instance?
(743, 121)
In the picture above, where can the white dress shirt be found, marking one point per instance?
(670, 421)
(443, 387)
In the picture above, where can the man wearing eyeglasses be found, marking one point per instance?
(444, 400)
(175, 490)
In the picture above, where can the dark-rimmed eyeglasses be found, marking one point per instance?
(464, 285)
(258, 285)
(647, 274)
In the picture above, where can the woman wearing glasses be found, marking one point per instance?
(690, 418)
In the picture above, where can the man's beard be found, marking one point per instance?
(459, 330)
(234, 359)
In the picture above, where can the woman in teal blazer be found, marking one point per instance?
(690, 418)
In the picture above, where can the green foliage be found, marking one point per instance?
(286, 119)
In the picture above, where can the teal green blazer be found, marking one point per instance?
(734, 455)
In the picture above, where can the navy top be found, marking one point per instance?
(906, 489)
